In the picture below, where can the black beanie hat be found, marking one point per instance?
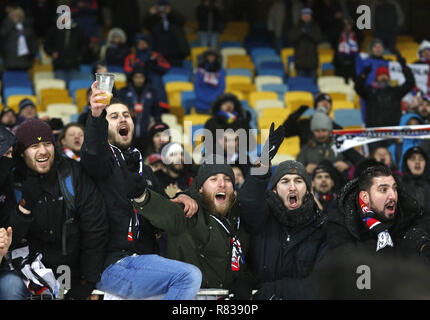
(291, 167)
(33, 131)
(320, 97)
(211, 166)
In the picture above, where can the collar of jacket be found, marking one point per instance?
(407, 211)
(307, 214)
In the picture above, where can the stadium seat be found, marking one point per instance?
(188, 99)
(78, 84)
(244, 88)
(348, 118)
(14, 100)
(81, 98)
(48, 84)
(295, 99)
(241, 64)
(174, 89)
(279, 88)
(290, 146)
(10, 91)
(62, 110)
(229, 80)
(43, 75)
(261, 95)
(260, 80)
(239, 72)
(175, 77)
(330, 80)
(271, 108)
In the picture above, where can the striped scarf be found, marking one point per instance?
(70, 154)
(373, 224)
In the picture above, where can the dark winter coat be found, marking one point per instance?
(85, 237)
(9, 36)
(417, 186)
(199, 240)
(384, 101)
(305, 40)
(282, 252)
(70, 45)
(346, 229)
(99, 160)
(171, 43)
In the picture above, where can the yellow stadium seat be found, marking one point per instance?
(285, 53)
(341, 104)
(294, 99)
(179, 86)
(55, 100)
(120, 84)
(337, 96)
(273, 112)
(261, 95)
(228, 36)
(242, 64)
(244, 88)
(81, 98)
(290, 146)
(232, 79)
(14, 100)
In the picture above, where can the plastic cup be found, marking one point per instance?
(105, 82)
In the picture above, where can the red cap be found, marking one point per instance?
(381, 70)
(154, 157)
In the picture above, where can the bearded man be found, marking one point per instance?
(376, 214)
(213, 239)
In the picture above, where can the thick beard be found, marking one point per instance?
(381, 216)
(209, 203)
(121, 145)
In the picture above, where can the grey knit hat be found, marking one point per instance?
(291, 167)
(211, 166)
(321, 121)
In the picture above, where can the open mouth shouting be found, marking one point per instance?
(293, 201)
(123, 131)
(390, 208)
(220, 197)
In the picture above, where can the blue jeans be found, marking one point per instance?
(12, 287)
(143, 276)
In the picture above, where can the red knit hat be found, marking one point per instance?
(33, 131)
(382, 70)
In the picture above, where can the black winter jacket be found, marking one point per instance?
(283, 256)
(346, 229)
(384, 101)
(100, 162)
(86, 237)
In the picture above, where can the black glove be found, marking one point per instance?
(136, 185)
(297, 114)
(241, 288)
(31, 193)
(276, 137)
(80, 291)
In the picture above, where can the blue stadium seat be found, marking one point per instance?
(271, 72)
(188, 99)
(175, 77)
(117, 69)
(279, 88)
(78, 84)
(230, 44)
(262, 51)
(9, 91)
(348, 117)
(239, 72)
(253, 123)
